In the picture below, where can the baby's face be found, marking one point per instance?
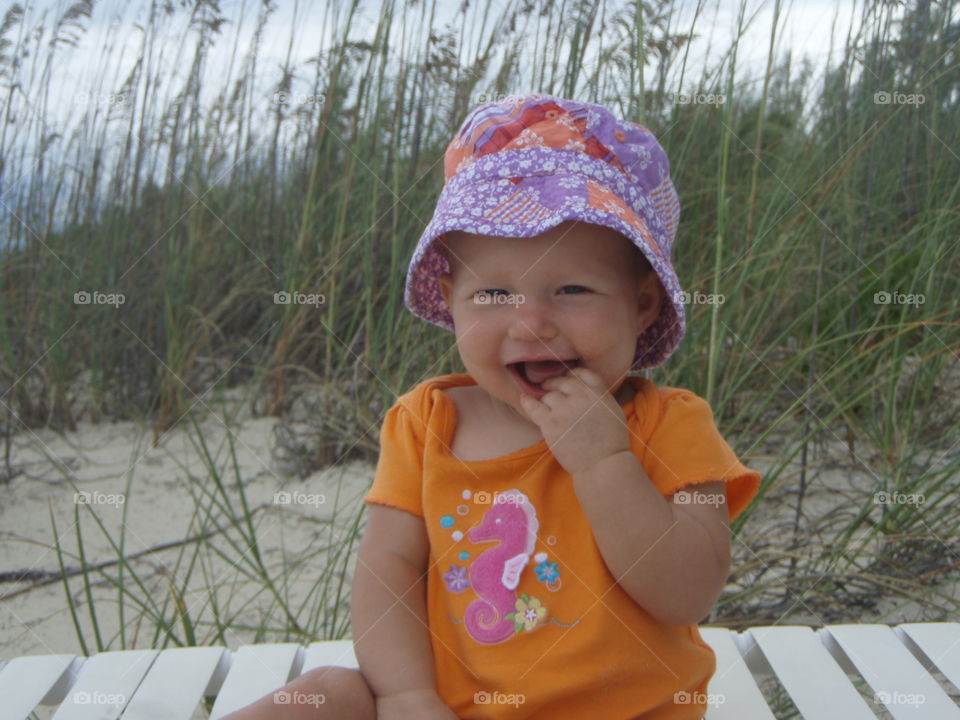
(574, 292)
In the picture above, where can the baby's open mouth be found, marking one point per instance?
(534, 372)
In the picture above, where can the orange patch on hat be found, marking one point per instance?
(453, 158)
(601, 198)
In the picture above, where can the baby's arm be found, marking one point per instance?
(673, 559)
(388, 612)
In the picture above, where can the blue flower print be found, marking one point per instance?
(456, 579)
(547, 572)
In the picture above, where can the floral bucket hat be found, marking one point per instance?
(520, 166)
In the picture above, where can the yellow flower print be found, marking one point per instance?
(530, 612)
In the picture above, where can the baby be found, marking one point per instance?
(545, 531)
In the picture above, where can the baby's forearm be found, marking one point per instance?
(390, 634)
(669, 564)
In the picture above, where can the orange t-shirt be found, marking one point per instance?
(534, 625)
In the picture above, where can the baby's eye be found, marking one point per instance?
(578, 287)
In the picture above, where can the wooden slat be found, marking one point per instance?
(732, 693)
(256, 671)
(816, 683)
(175, 684)
(331, 652)
(898, 679)
(25, 681)
(940, 642)
(105, 684)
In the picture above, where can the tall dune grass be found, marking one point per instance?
(818, 211)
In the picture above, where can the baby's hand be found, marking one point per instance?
(425, 704)
(579, 418)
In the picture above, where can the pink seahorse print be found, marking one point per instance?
(495, 573)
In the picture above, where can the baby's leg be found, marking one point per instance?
(324, 692)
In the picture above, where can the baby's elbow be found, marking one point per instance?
(685, 601)
(664, 608)
(703, 594)
(681, 614)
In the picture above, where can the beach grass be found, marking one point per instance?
(818, 243)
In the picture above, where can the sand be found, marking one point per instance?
(101, 459)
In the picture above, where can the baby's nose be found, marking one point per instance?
(531, 320)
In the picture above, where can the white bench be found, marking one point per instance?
(817, 668)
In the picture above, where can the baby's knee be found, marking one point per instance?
(339, 687)
(331, 676)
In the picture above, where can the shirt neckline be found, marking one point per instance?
(538, 448)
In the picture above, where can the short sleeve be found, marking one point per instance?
(685, 448)
(398, 480)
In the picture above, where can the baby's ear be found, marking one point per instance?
(650, 296)
(446, 287)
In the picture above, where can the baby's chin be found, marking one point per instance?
(507, 401)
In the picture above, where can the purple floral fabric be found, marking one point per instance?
(456, 579)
